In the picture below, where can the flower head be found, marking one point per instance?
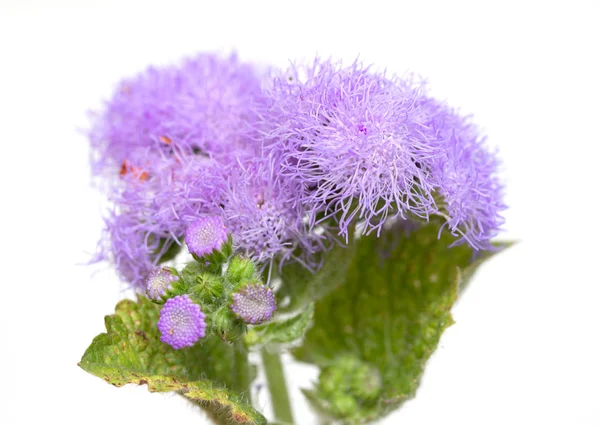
(202, 106)
(263, 216)
(465, 175)
(181, 322)
(159, 282)
(364, 147)
(353, 140)
(205, 235)
(151, 216)
(254, 303)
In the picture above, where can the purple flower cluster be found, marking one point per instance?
(288, 161)
(202, 105)
(363, 146)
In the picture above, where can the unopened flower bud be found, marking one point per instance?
(158, 282)
(254, 303)
(240, 270)
(227, 326)
(181, 322)
(205, 235)
(207, 288)
(366, 382)
(343, 405)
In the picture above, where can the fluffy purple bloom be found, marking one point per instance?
(205, 235)
(201, 105)
(323, 148)
(364, 147)
(181, 322)
(465, 174)
(159, 209)
(353, 140)
(159, 282)
(263, 217)
(255, 206)
(254, 303)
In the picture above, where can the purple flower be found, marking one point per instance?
(323, 148)
(364, 147)
(159, 282)
(465, 174)
(202, 106)
(159, 209)
(205, 235)
(254, 303)
(353, 141)
(181, 322)
(262, 215)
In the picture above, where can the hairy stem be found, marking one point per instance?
(241, 369)
(277, 387)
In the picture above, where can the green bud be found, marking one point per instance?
(208, 288)
(331, 380)
(347, 363)
(191, 271)
(227, 326)
(366, 382)
(343, 405)
(352, 376)
(240, 270)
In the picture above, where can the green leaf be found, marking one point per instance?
(388, 315)
(301, 287)
(281, 332)
(131, 352)
(167, 248)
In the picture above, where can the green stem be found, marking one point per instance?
(241, 368)
(277, 387)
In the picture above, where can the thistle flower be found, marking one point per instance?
(181, 322)
(254, 303)
(201, 105)
(159, 282)
(205, 235)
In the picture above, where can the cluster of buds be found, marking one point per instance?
(219, 293)
(347, 384)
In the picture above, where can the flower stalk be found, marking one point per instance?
(241, 368)
(280, 400)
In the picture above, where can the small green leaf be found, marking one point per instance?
(131, 352)
(281, 332)
(388, 311)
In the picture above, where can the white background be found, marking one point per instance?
(525, 348)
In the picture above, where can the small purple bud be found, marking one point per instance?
(206, 235)
(181, 322)
(158, 282)
(254, 303)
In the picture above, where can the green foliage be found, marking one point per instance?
(167, 249)
(387, 312)
(281, 332)
(301, 286)
(131, 352)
